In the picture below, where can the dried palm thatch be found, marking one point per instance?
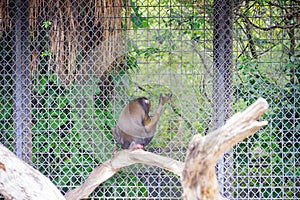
(5, 21)
(79, 33)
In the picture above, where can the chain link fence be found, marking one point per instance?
(69, 67)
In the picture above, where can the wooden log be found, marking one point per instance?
(119, 160)
(198, 178)
(18, 180)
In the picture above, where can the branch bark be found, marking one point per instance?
(119, 160)
(198, 178)
(18, 180)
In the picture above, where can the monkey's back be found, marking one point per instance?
(135, 128)
(131, 123)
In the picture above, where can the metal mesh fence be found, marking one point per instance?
(69, 67)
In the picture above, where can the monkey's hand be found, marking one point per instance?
(164, 99)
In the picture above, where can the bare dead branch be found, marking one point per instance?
(119, 160)
(198, 179)
(19, 180)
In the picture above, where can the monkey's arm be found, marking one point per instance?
(151, 124)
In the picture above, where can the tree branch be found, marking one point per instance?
(198, 179)
(267, 28)
(119, 160)
(18, 180)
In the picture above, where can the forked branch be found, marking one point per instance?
(198, 179)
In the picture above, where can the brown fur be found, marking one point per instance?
(135, 128)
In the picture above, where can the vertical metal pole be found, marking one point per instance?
(22, 81)
(18, 83)
(222, 78)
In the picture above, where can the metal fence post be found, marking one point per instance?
(22, 82)
(222, 76)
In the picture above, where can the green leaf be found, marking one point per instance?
(46, 24)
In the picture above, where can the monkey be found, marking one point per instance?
(135, 128)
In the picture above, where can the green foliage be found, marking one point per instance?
(6, 112)
(46, 53)
(136, 17)
(162, 59)
(61, 144)
(6, 91)
(274, 151)
(46, 24)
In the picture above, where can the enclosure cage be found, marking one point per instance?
(69, 67)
